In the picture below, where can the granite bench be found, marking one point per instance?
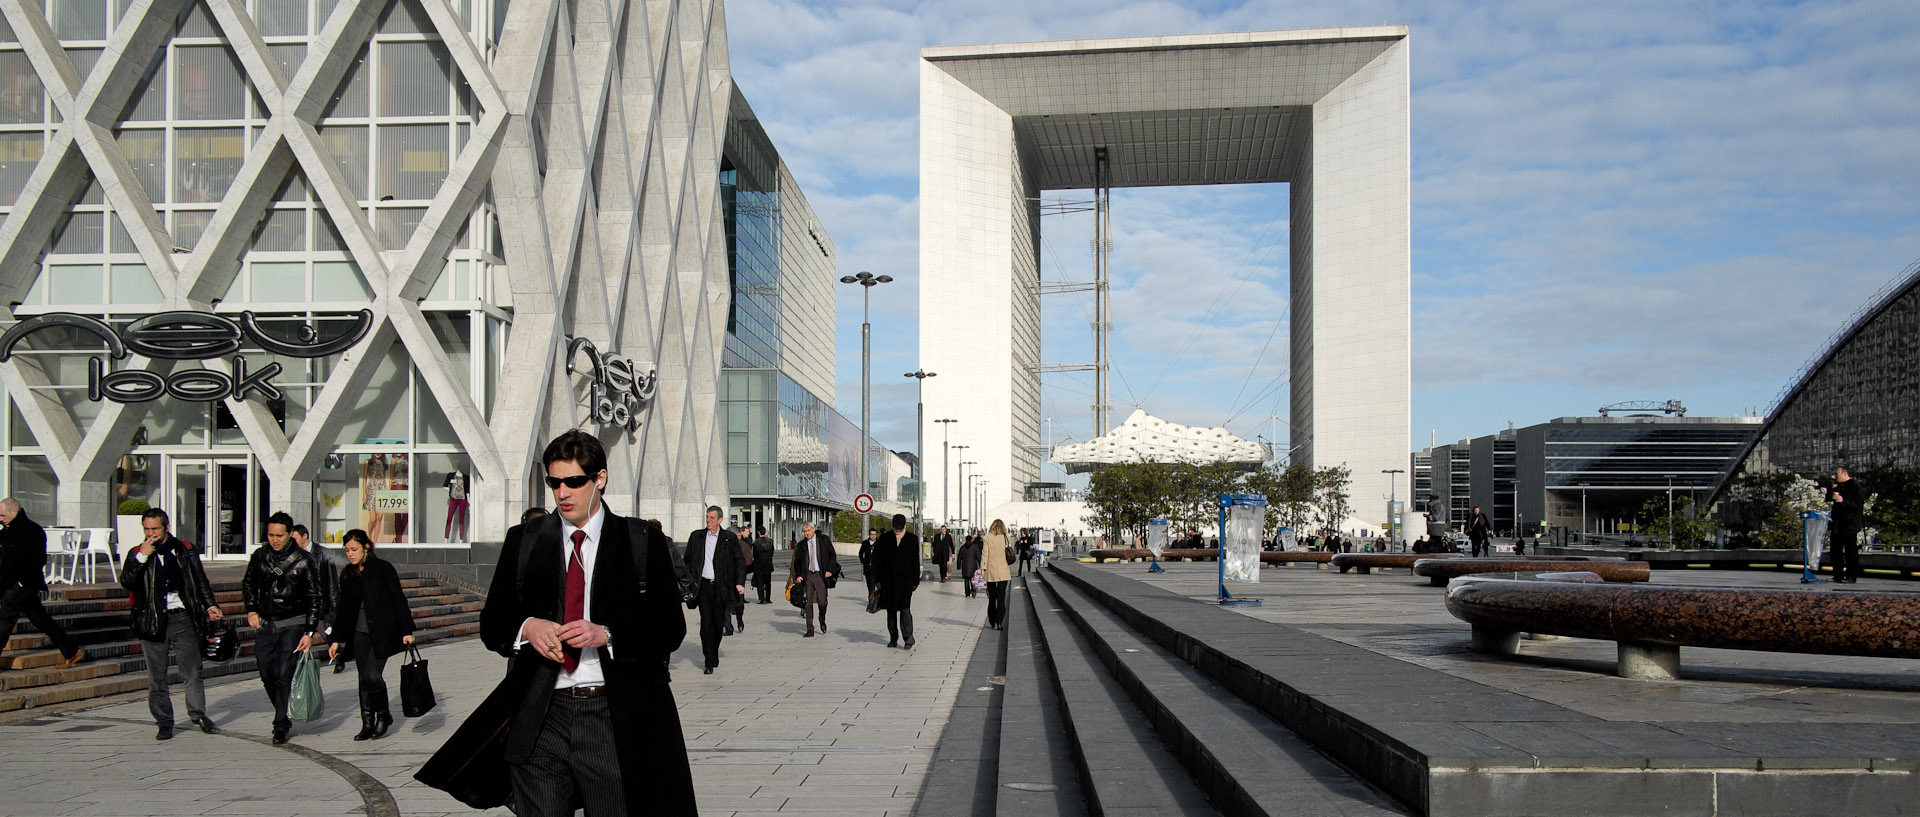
(1650, 623)
(1365, 562)
(1271, 557)
(1441, 570)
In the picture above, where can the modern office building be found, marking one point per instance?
(1588, 474)
(1324, 111)
(1857, 402)
(360, 261)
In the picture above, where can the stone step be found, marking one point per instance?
(1035, 767)
(1250, 765)
(42, 658)
(1124, 767)
(963, 777)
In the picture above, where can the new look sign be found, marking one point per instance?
(185, 336)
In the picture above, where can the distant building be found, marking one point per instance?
(1582, 473)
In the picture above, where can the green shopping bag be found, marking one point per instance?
(305, 703)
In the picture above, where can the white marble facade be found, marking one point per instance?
(1323, 110)
(576, 164)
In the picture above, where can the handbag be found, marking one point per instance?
(306, 702)
(416, 689)
(1010, 559)
(979, 579)
(797, 593)
(222, 644)
(873, 600)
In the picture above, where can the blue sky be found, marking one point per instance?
(1611, 201)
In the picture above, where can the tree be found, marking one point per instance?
(1289, 492)
(1763, 509)
(1894, 513)
(1330, 497)
(1684, 528)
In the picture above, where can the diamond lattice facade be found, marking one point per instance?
(351, 248)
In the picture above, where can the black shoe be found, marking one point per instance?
(727, 630)
(909, 642)
(366, 726)
(709, 670)
(339, 667)
(807, 634)
(165, 733)
(280, 734)
(381, 722)
(892, 644)
(206, 725)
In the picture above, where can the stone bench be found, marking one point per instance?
(1650, 623)
(1441, 570)
(1364, 563)
(1272, 557)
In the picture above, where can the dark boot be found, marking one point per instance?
(366, 725)
(382, 720)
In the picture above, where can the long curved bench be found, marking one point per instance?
(1364, 563)
(1271, 557)
(1652, 622)
(1440, 571)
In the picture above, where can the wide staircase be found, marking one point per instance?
(1097, 718)
(96, 616)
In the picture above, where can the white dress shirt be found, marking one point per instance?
(587, 672)
(713, 544)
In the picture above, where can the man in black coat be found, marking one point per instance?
(814, 562)
(896, 572)
(596, 724)
(1849, 516)
(763, 565)
(713, 562)
(286, 603)
(1480, 531)
(23, 561)
(942, 550)
(172, 604)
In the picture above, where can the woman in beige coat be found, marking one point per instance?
(994, 559)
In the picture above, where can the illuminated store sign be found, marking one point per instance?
(186, 336)
(621, 387)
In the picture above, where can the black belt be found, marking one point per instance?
(594, 691)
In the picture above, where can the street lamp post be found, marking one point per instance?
(966, 484)
(920, 446)
(1393, 500)
(945, 454)
(867, 282)
(1583, 509)
(1670, 542)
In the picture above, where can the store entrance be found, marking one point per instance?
(212, 501)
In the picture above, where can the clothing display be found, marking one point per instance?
(456, 485)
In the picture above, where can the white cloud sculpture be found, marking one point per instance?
(1146, 438)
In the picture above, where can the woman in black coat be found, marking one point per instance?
(896, 573)
(969, 561)
(373, 620)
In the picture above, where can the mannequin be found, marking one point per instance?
(456, 486)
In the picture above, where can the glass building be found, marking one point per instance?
(290, 258)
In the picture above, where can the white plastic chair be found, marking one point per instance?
(96, 542)
(62, 543)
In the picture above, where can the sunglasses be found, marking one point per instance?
(575, 481)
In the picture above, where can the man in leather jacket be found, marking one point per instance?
(172, 603)
(285, 603)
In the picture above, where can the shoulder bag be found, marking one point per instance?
(416, 689)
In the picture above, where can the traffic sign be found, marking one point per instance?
(863, 504)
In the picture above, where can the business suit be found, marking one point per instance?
(815, 550)
(942, 551)
(646, 768)
(715, 593)
(23, 557)
(763, 568)
(896, 568)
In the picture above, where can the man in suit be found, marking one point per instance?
(173, 608)
(596, 725)
(713, 562)
(763, 566)
(23, 560)
(813, 563)
(942, 550)
(1480, 531)
(738, 607)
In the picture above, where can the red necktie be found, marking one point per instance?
(576, 596)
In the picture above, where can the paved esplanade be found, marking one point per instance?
(833, 724)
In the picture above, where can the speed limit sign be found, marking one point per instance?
(863, 504)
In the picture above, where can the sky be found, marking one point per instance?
(1611, 201)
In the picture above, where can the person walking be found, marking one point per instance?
(281, 591)
(596, 722)
(171, 606)
(713, 558)
(23, 561)
(330, 563)
(1026, 551)
(943, 551)
(896, 569)
(738, 607)
(814, 562)
(969, 561)
(371, 620)
(763, 566)
(996, 554)
(1480, 531)
(1849, 515)
(866, 558)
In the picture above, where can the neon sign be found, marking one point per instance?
(185, 336)
(621, 388)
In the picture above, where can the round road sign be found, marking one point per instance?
(863, 504)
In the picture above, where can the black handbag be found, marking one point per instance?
(416, 689)
(797, 593)
(222, 644)
(873, 601)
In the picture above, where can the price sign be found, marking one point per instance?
(391, 501)
(863, 504)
